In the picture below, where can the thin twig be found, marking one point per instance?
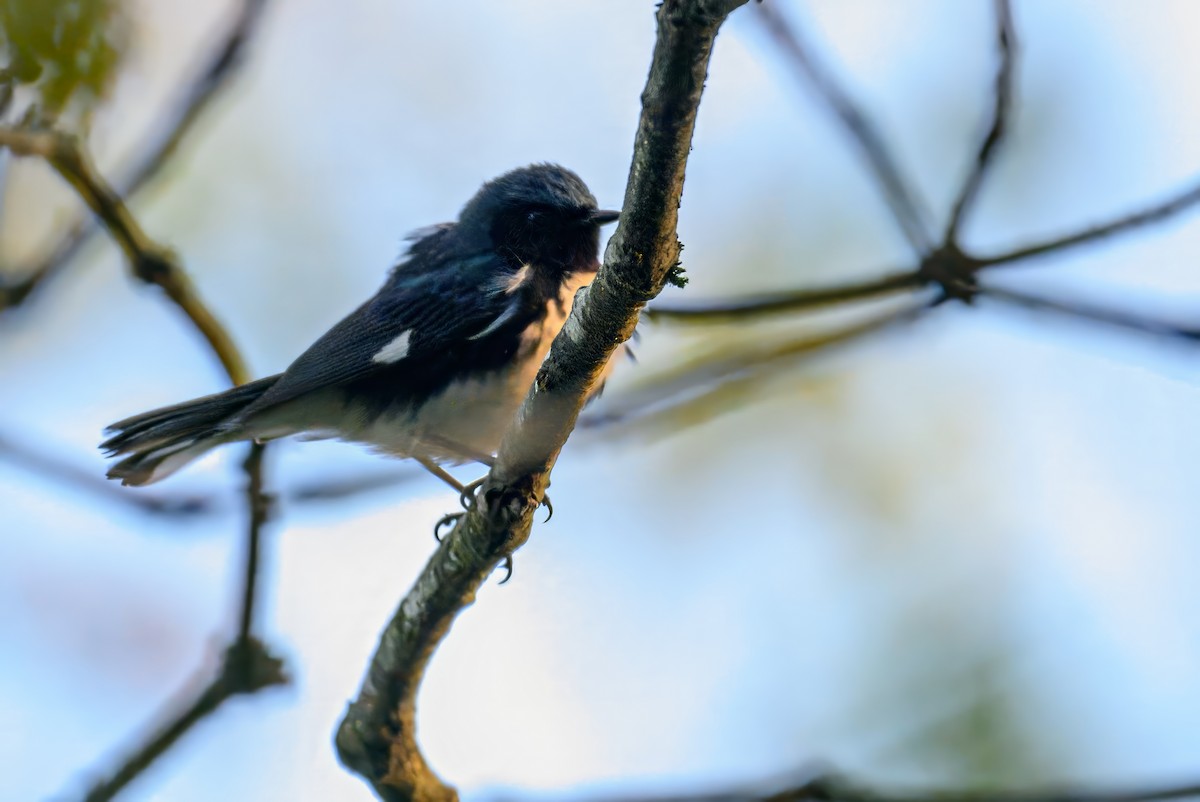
(1001, 108)
(838, 790)
(154, 264)
(258, 505)
(35, 461)
(324, 490)
(190, 505)
(376, 739)
(670, 394)
(953, 262)
(246, 668)
(1092, 313)
(949, 267)
(211, 79)
(787, 302)
(805, 787)
(1128, 223)
(148, 261)
(908, 212)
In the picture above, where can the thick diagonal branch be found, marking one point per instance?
(376, 739)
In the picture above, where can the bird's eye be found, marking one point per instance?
(532, 216)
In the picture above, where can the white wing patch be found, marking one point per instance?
(394, 351)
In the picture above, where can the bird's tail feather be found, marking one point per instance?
(159, 442)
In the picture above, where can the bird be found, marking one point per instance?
(434, 366)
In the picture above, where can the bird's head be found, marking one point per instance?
(542, 215)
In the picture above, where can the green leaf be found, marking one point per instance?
(67, 50)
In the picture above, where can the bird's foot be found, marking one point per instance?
(466, 498)
(449, 520)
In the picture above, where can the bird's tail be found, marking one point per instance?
(159, 442)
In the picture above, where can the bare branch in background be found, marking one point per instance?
(1126, 224)
(807, 786)
(338, 489)
(961, 264)
(787, 302)
(210, 80)
(1092, 313)
(838, 789)
(950, 267)
(148, 260)
(907, 210)
(87, 481)
(196, 504)
(1001, 109)
(258, 505)
(376, 739)
(248, 666)
(675, 393)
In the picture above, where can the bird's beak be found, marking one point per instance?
(603, 217)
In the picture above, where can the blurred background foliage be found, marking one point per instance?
(960, 552)
(66, 51)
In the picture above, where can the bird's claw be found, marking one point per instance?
(467, 497)
(448, 520)
(549, 508)
(508, 568)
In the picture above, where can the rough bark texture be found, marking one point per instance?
(377, 738)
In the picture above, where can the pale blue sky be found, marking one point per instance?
(823, 574)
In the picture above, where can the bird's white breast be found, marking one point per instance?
(470, 416)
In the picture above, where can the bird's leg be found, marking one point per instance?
(444, 475)
(439, 472)
(466, 496)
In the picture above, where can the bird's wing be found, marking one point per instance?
(414, 319)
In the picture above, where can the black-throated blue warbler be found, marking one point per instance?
(435, 365)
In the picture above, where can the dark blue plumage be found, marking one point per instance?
(436, 363)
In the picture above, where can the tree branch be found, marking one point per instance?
(1001, 107)
(950, 266)
(258, 506)
(34, 461)
(197, 504)
(692, 386)
(788, 302)
(211, 79)
(837, 789)
(376, 738)
(1125, 224)
(1092, 313)
(148, 260)
(247, 666)
(907, 210)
